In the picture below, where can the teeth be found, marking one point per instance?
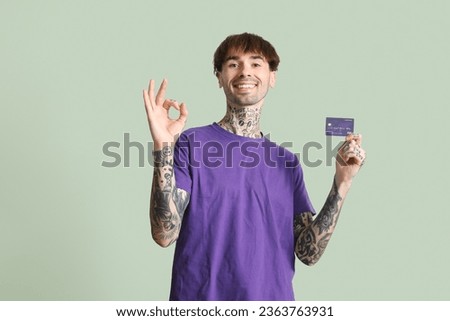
(245, 86)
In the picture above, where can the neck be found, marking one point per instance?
(242, 121)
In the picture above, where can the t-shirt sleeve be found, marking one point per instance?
(302, 203)
(182, 169)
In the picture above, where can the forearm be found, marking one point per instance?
(313, 235)
(167, 203)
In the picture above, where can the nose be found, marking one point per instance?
(245, 71)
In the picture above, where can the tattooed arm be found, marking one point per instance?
(312, 236)
(167, 203)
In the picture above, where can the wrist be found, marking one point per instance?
(157, 146)
(163, 156)
(342, 186)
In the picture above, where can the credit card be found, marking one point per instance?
(339, 126)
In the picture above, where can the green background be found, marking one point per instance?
(71, 80)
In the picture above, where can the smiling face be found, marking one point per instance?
(245, 79)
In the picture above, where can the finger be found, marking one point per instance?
(354, 150)
(151, 92)
(348, 151)
(183, 113)
(362, 155)
(161, 93)
(358, 139)
(175, 104)
(355, 137)
(344, 145)
(171, 103)
(363, 158)
(340, 159)
(147, 101)
(166, 104)
(357, 155)
(359, 160)
(148, 105)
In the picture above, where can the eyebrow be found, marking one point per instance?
(237, 57)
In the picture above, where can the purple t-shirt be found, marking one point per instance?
(237, 239)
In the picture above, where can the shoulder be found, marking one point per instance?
(197, 131)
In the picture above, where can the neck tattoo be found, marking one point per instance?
(242, 121)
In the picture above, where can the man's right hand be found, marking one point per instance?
(164, 130)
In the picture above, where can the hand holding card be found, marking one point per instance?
(349, 159)
(351, 153)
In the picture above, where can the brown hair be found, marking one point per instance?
(245, 42)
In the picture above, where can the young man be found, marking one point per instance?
(235, 202)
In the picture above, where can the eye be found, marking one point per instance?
(232, 65)
(256, 64)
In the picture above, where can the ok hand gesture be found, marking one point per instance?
(164, 130)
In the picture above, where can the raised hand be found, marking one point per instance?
(164, 130)
(349, 159)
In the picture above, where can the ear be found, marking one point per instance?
(219, 79)
(272, 79)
